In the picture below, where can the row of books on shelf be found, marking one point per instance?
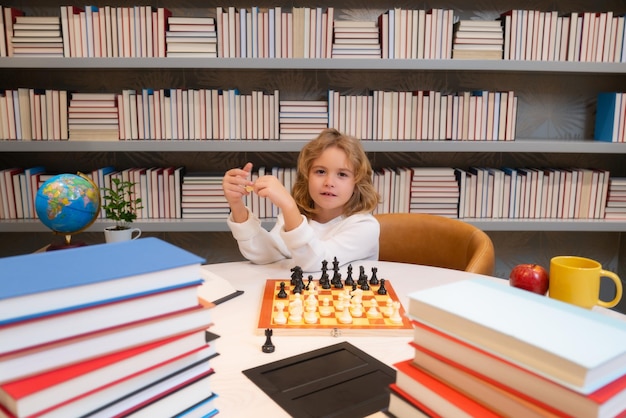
(311, 32)
(163, 114)
(33, 114)
(472, 341)
(475, 193)
(577, 36)
(131, 337)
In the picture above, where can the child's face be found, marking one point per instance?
(331, 183)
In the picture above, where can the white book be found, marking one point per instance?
(528, 330)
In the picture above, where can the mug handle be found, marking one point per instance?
(138, 231)
(618, 289)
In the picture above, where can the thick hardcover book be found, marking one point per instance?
(44, 283)
(609, 117)
(527, 329)
(447, 351)
(72, 350)
(102, 376)
(37, 331)
(435, 395)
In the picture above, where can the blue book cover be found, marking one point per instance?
(46, 283)
(54, 270)
(606, 123)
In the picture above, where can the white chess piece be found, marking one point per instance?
(373, 310)
(389, 308)
(356, 309)
(325, 309)
(310, 317)
(280, 317)
(395, 316)
(345, 317)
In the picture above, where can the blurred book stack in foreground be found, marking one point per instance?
(105, 330)
(488, 349)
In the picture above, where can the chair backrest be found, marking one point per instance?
(438, 241)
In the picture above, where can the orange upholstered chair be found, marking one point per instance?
(438, 241)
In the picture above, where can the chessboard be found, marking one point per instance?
(314, 308)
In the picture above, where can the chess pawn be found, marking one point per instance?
(325, 309)
(373, 311)
(356, 310)
(395, 316)
(295, 314)
(345, 317)
(389, 308)
(280, 317)
(310, 317)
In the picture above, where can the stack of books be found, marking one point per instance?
(477, 39)
(203, 197)
(434, 190)
(93, 116)
(302, 119)
(191, 37)
(616, 199)
(486, 349)
(356, 39)
(105, 330)
(37, 36)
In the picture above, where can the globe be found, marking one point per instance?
(68, 204)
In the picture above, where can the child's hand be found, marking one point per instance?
(235, 183)
(271, 188)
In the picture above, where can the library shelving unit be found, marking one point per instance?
(554, 128)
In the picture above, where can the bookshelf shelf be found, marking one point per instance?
(556, 116)
(314, 64)
(273, 146)
(219, 225)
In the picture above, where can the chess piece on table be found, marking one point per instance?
(382, 290)
(349, 280)
(268, 347)
(373, 311)
(280, 317)
(374, 279)
(345, 317)
(281, 293)
(325, 309)
(395, 316)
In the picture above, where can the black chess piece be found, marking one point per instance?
(362, 276)
(268, 347)
(382, 290)
(281, 293)
(374, 279)
(349, 280)
(296, 273)
(308, 284)
(365, 285)
(338, 284)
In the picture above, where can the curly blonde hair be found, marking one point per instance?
(364, 199)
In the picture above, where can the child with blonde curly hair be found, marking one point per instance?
(327, 215)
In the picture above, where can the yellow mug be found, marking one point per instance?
(576, 280)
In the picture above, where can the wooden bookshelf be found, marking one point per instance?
(544, 135)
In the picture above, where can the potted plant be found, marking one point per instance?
(121, 206)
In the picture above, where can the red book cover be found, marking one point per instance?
(606, 401)
(54, 386)
(72, 350)
(436, 395)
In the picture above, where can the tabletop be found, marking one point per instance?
(239, 345)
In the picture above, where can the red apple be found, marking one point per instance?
(531, 277)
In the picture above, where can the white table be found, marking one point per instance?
(239, 344)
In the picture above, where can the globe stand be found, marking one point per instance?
(67, 244)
